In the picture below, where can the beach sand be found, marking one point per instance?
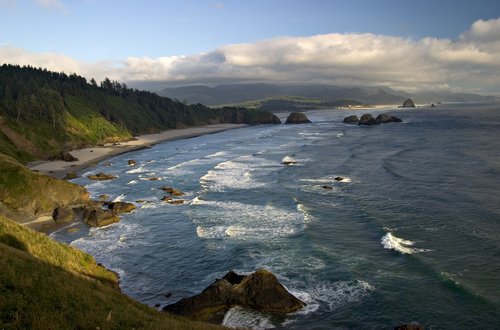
(89, 156)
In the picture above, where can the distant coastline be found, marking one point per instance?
(89, 156)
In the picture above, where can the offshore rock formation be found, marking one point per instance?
(260, 291)
(367, 119)
(297, 118)
(408, 103)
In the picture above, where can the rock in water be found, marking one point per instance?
(297, 118)
(260, 291)
(132, 162)
(384, 118)
(408, 103)
(121, 207)
(101, 176)
(97, 217)
(351, 119)
(367, 119)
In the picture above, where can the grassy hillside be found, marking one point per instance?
(48, 285)
(43, 113)
(24, 193)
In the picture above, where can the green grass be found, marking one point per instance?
(48, 285)
(35, 193)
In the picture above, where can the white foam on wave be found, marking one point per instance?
(119, 198)
(233, 220)
(140, 169)
(238, 173)
(332, 295)
(132, 182)
(289, 160)
(391, 242)
(240, 318)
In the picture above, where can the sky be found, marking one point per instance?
(404, 44)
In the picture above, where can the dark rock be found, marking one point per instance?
(260, 291)
(351, 119)
(67, 157)
(367, 119)
(97, 217)
(408, 103)
(327, 187)
(172, 191)
(166, 198)
(70, 176)
(121, 207)
(384, 118)
(339, 178)
(132, 162)
(297, 118)
(103, 197)
(101, 176)
(176, 201)
(63, 214)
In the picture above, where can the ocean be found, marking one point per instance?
(411, 235)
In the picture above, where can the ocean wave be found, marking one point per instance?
(234, 220)
(239, 173)
(331, 296)
(241, 318)
(391, 242)
(119, 198)
(140, 169)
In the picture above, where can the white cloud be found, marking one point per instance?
(470, 62)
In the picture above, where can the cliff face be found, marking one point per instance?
(25, 194)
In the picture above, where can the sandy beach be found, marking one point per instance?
(89, 156)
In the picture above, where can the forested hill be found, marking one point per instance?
(43, 113)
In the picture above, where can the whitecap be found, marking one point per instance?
(140, 169)
(132, 182)
(391, 242)
(119, 198)
(240, 318)
(331, 296)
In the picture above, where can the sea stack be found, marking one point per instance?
(408, 103)
(297, 118)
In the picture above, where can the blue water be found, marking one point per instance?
(412, 234)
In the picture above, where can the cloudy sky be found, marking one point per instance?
(410, 44)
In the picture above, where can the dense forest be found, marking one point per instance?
(43, 113)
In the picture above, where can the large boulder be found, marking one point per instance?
(297, 118)
(408, 103)
(121, 207)
(367, 119)
(101, 176)
(384, 118)
(63, 214)
(95, 216)
(67, 157)
(260, 291)
(351, 119)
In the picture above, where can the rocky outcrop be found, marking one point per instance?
(408, 103)
(297, 118)
(121, 207)
(101, 176)
(384, 118)
(172, 191)
(367, 119)
(95, 216)
(25, 194)
(260, 291)
(63, 214)
(351, 119)
(67, 157)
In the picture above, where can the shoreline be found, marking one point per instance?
(89, 156)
